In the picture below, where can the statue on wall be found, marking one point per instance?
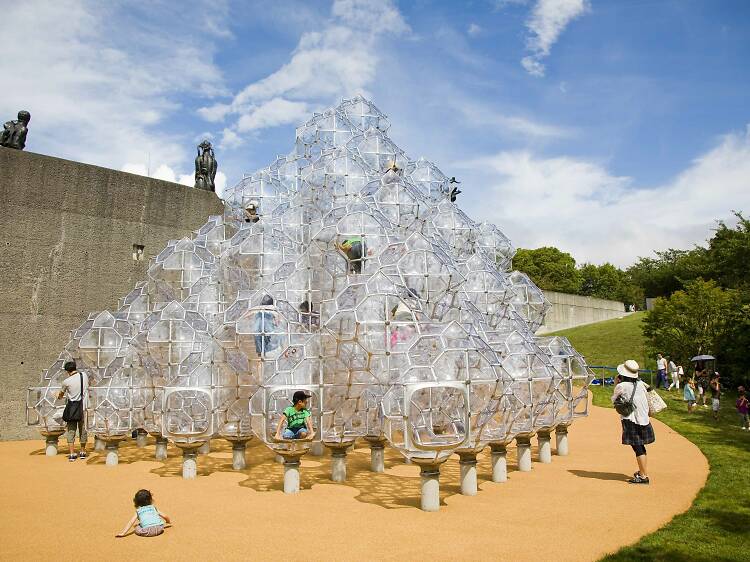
(14, 132)
(205, 167)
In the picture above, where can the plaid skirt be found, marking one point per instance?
(634, 434)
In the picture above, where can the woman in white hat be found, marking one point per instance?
(636, 427)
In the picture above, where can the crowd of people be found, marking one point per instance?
(635, 401)
(698, 386)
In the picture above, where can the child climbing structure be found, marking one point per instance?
(358, 281)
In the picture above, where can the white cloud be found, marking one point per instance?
(580, 207)
(547, 21)
(166, 173)
(272, 113)
(230, 139)
(474, 29)
(483, 115)
(377, 16)
(100, 79)
(339, 60)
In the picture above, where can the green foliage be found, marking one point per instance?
(668, 272)
(724, 260)
(729, 254)
(550, 269)
(609, 282)
(733, 346)
(690, 322)
(554, 270)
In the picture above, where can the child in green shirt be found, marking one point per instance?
(297, 417)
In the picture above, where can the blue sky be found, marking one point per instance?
(606, 128)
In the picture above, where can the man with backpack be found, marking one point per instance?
(74, 389)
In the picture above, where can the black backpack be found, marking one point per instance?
(624, 406)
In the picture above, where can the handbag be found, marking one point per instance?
(73, 411)
(624, 406)
(655, 402)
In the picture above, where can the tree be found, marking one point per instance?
(728, 254)
(690, 322)
(669, 271)
(550, 269)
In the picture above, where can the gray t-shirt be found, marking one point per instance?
(72, 386)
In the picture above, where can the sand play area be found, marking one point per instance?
(578, 507)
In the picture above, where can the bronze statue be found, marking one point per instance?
(205, 167)
(14, 132)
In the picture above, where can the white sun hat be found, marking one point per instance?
(628, 369)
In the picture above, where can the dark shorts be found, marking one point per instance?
(634, 434)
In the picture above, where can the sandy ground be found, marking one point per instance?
(578, 507)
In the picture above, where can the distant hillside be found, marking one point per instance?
(611, 342)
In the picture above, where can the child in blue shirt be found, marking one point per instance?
(151, 521)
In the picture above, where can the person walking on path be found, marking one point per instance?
(715, 387)
(661, 371)
(743, 407)
(74, 389)
(688, 394)
(636, 427)
(674, 372)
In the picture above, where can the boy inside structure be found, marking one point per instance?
(297, 417)
(354, 248)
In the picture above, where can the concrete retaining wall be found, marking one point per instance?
(67, 232)
(569, 311)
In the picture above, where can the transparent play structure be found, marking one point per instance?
(345, 270)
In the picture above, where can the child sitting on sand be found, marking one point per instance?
(151, 521)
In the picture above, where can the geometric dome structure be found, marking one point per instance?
(343, 269)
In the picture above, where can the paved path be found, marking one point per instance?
(577, 508)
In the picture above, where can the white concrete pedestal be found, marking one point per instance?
(160, 452)
(205, 448)
(561, 438)
(545, 447)
(112, 457)
(338, 464)
(499, 461)
(189, 463)
(523, 445)
(291, 475)
(99, 444)
(238, 455)
(377, 456)
(50, 445)
(468, 464)
(430, 476)
(141, 439)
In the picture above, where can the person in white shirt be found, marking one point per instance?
(675, 374)
(72, 391)
(661, 371)
(636, 427)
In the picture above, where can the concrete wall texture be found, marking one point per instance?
(67, 232)
(569, 311)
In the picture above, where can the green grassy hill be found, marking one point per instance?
(717, 526)
(611, 342)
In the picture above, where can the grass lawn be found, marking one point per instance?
(717, 526)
